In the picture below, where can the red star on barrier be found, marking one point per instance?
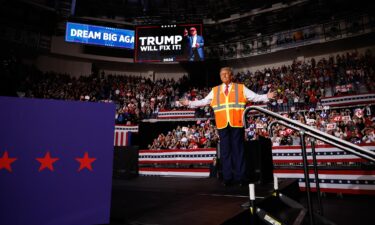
(46, 162)
(85, 162)
(5, 162)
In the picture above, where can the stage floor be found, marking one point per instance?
(177, 201)
(149, 200)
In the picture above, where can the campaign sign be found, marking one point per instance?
(169, 43)
(98, 35)
(55, 161)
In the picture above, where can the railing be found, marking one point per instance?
(344, 145)
(304, 131)
(303, 36)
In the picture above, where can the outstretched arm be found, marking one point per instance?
(251, 96)
(198, 103)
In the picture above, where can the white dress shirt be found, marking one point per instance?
(249, 95)
(194, 41)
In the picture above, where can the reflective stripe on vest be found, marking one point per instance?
(228, 109)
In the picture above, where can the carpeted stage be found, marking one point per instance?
(205, 201)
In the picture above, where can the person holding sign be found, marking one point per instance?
(228, 101)
(194, 44)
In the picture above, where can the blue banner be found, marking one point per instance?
(98, 35)
(55, 161)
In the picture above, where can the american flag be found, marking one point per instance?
(176, 114)
(176, 162)
(123, 134)
(335, 171)
(348, 100)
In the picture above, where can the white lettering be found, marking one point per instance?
(79, 33)
(177, 39)
(126, 39)
(97, 35)
(73, 32)
(129, 39)
(150, 41)
(85, 34)
(165, 47)
(168, 40)
(161, 40)
(142, 40)
(148, 48)
(109, 37)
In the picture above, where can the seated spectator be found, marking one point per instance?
(369, 136)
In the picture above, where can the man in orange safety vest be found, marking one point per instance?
(228, 101)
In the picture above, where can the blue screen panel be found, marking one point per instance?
(98, 35)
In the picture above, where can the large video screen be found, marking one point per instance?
(169, 43)
(98, 35)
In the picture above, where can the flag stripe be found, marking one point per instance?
(123, 134)
(122, 139)
(116, 139)
(176, 114)
(172, 161)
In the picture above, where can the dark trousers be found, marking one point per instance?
(232, 153)
(195, 55)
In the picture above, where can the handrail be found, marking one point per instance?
(342, 144)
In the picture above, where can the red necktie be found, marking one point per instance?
(226, 89)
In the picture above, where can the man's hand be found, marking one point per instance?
(185, 32)
(197, 45)
(271, 94)
(184, 102)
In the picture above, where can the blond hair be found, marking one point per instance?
(227, 69)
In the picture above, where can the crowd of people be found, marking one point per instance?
(355, 125)
(136, 97)
(299, 86)
(200, 135)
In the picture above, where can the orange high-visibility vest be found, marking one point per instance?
(228, 109)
